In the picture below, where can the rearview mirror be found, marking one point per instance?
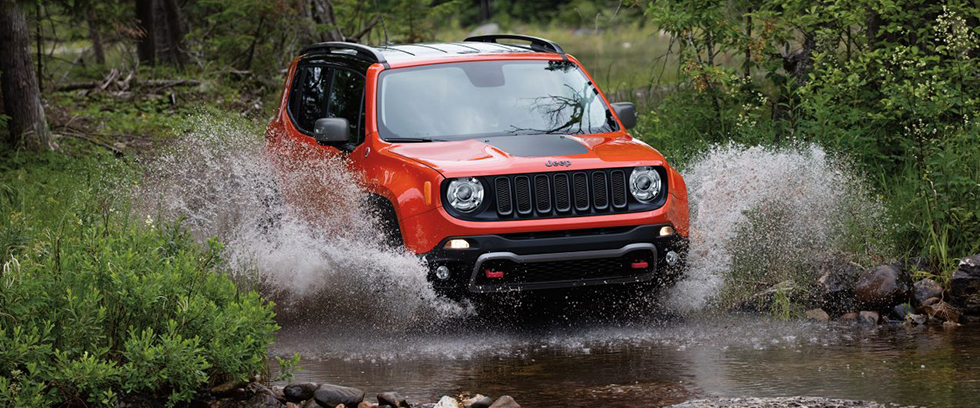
(626, 112)
(331, 130)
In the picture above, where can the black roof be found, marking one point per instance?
(487, 44)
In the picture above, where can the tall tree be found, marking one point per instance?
(146, 48)
(93, 30)
(175, 32)
(22, 98)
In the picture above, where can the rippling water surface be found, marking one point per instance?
(651, 364)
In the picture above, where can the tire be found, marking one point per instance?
(387, 221)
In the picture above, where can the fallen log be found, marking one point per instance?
(153, 83)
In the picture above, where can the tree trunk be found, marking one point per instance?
(486, 12)
(175, 32)
(146, 48)
(96, 36)
(22, 98)
(322, 13)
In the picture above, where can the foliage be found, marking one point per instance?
(97, 305)
(894, 86)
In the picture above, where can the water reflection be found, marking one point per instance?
(628, 365)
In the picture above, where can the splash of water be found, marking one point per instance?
(318, 257)
(798, 205)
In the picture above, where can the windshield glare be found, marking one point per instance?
(489, 98)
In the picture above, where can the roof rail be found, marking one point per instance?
(363, 51)
(537, 44)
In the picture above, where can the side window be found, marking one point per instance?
(308, 98)
(324, 92)
(346, 101)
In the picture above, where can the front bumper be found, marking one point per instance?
(557, 259)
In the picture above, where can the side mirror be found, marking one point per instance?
(626, 112)
(331, 130)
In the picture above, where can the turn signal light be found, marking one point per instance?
(457, 244)
(666, 231)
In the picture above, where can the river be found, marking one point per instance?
(653, 363)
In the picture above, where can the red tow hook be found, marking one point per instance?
(492, 274)
(640, 265)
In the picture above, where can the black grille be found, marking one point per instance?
(618, 183)
(559, 194)
(542, 193)
(522, 187)
(502, 187)
(581, 186)
(600, 190)
(562, 201)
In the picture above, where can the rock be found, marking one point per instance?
(930, 301)
(849, 317)
(880, 288)
(478, 401)
(391, 399)
(311, 403)
(915, 319)
(227, 388)
(835, 287)
(505, 402)
(292, 405)
(866, 318)
(902, 310)
(942, 311)
(299, 392)
(763, 301)
(925, 289)
(220, 403)
(279, 393)
(817, 315)
(257, 388)
(263, 400)
(964, 287)
(365, 404)
(329, 396)
(447, 402)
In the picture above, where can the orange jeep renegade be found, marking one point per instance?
(496, 159)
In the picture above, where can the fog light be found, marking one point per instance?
(672, 257)
(442, 272)
(457, 244)
(666, 231)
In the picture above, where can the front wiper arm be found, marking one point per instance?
(413, 140)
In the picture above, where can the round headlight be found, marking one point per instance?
(465, 194)
(645, 184)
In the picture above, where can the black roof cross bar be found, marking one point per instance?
(537, 44)
(363, 51)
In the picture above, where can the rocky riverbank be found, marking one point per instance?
(891, 293)
(312, 395)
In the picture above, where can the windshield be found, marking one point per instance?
(489, 98)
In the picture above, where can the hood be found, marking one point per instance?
(530, 154)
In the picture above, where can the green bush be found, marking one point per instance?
(95, 305)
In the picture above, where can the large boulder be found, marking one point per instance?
(300, 392)
(505, 402)
(835, 287)
(329, 396)
(881, 288)
(925, 289)
(964, 287)
(391, 399)
(263, 400)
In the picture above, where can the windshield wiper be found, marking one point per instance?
(414, 140)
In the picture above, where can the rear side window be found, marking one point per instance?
(346, 99)
(325, 92)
